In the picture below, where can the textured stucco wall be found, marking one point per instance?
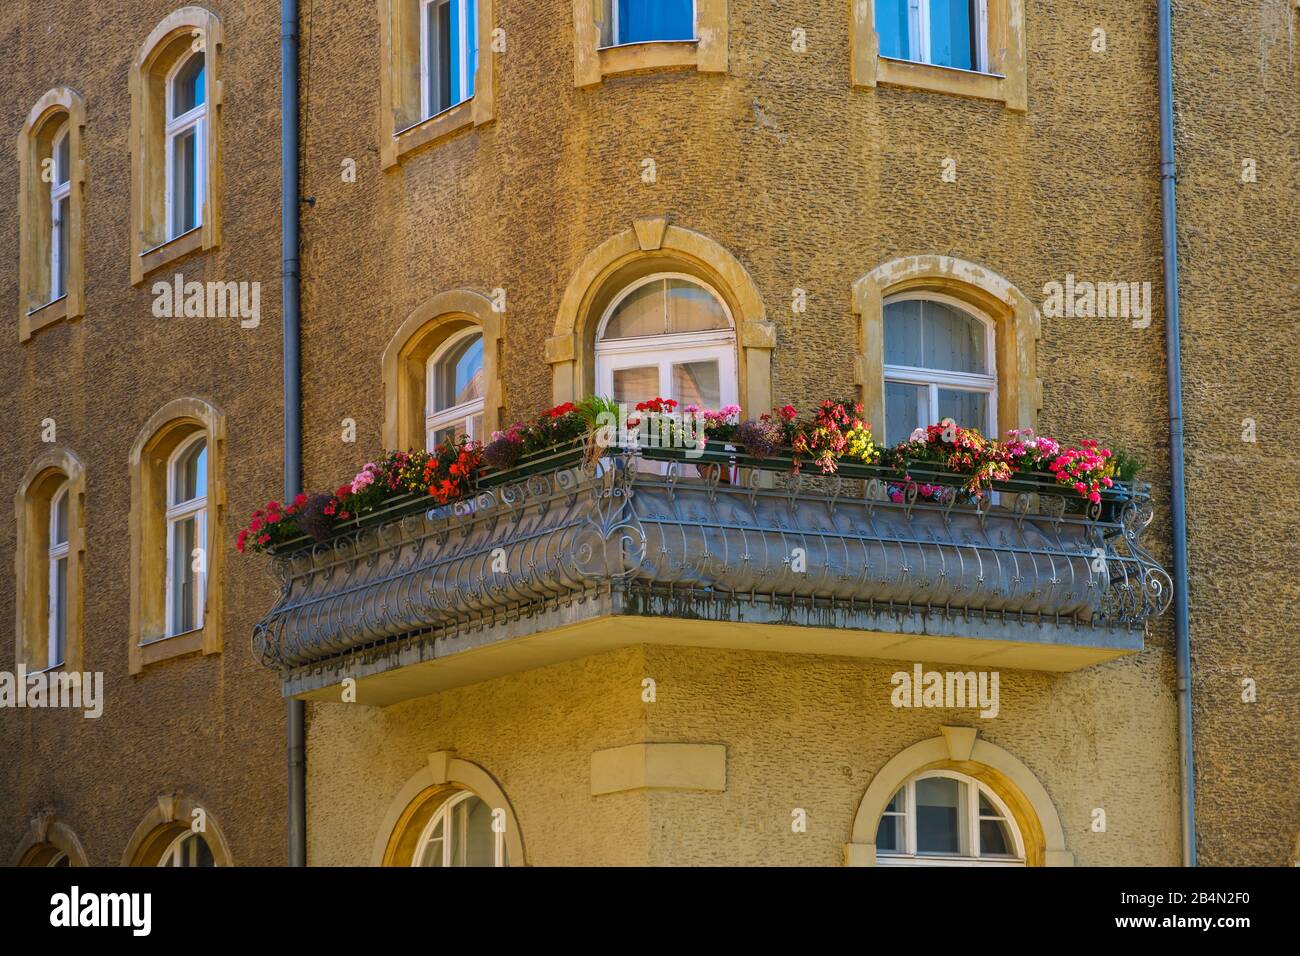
(533, 732)
(1238, 91)
(212, 727)
(800, 732)
(808, 183)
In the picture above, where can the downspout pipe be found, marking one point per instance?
(289, 276)
(1177, 479)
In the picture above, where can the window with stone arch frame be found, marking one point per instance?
(945, 818)
(51, 174)
(462, 832)
(175, 141)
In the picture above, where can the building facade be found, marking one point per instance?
(513, 206)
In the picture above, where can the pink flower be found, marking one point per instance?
(1095, 498)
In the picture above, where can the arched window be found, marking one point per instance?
(187, 534)
(946, 818)
(668, 336)
(58, 576)
(188, 849)
(939, 363)
(175, 141)
(455, 387)
(50, 176)
(185, 145)
(461, 833)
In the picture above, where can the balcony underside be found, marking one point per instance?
(594, 623)
(567, 564)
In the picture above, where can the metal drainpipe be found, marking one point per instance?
(296, 716)
(1177, 492)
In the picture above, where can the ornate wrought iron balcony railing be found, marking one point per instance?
(801, 562)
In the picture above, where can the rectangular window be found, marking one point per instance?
(646, 21)
(186, 579)
(950, 33)
(185, 214)
(448, 53)
(58, 609)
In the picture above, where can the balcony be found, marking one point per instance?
(559, 560)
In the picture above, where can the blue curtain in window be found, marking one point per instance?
(643, 20)
(952, 31)
(463, 16)
(891, 25)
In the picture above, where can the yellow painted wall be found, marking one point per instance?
(804, 732)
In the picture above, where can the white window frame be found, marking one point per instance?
(427, 9)
(466, 412)
(57, 644)
(935, 379)
(918, 36)
(443, 814)
(612, 7)
(665, 351)
(58, 192)
(173, 854)
(176, 513)
(974, 788)
(196, 119)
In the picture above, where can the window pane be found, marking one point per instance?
(692, 308)
(65, 246)
(986, 808)
(184, 583)
(63, 159)
(889, 834)
(696, 383)
(903, 333)
(431, 854)
(967, 409)
(952, 28)
(643, 20)
(906, 407)
(480, 841)
(632, 385)
(939, 806)
(191, 474)
(952, 340)
(58, 611)
(891, 24)
(640, 313)
(59, 521)
(185, 181)
(995, 839)
(187, 86)
(459, 374)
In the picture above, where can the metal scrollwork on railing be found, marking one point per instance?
(724, 541)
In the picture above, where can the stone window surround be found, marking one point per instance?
(410, 809)
(652, 245)
(46, 837)
(59, 105)
(1017, 329)
(401, 128)
(707, 53)
(405, 362)
(958, 749)
(171, 815)
(31, 564)
(168, 41)
(169, 426)
(1004, 83)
